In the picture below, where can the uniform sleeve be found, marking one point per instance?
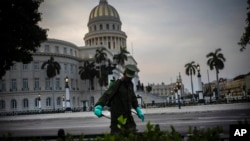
(134, 99)
(107, 94)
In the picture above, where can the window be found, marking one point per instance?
(113, 27)
(65, 50)
(13, 85)
(77, 85)
(37, 87)
(57, 83)
(46, 48)
(48, 101)
(25, 67)
(71, 52)
(47, 84)
(37, 102)
(56, 49)
(13, 67)
(107, 26)
(72, 83)
(65, 67)
(2, 104)
(58, 101)
(13, 104)
(36, 66)
(100, 26)
(25, 103)
(25, 84)
(71, 68)
(2, 86)
(75, 53)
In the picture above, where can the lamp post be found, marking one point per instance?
(200, 91)
(139, 99)
(63, 102)
(178, 87)
(39, 101)
(111, 67)
(68, 108)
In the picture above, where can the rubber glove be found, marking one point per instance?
(140, 113)
(98, 110)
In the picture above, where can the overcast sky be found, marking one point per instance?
(164, 34)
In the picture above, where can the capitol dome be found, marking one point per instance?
(104, 10)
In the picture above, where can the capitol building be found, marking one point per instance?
(26, 87)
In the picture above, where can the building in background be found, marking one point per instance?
(26, 85)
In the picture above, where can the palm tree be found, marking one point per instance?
(216, 61)
(191, 70)
(88, 71)
(100, 57)
(52, 69)
(122, 56)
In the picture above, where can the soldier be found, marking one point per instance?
(120, 97)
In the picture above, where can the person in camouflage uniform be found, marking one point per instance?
(120, 97)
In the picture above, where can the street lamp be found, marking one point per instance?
(139, 99)
(178, 87)
(111, 67)
(39, 101)
(68, 108)
(63, 102)
(200, 91)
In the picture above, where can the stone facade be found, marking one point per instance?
(24, 84)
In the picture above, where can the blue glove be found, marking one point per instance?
(140, 113)
(98, 110)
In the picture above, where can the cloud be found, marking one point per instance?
(164, 34)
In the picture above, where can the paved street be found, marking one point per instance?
(202, 116)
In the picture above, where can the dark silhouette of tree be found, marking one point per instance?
(190, 71)
(216, 61)
(20, 34)
(52, 69)
(148, 88)
(122, 56)
(88, 72)
(100, 58)
(245, 37)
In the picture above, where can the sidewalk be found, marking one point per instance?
(184, 109)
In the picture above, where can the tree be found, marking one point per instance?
(52, 69)
(122, 56)
(88, 72)
(245, 37)
(20, 33)
(100, 57)
(190, 71)
(148, 88)
(216, 61)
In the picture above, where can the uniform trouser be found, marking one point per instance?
(130, 125)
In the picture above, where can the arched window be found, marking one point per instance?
(48, 101)
(25, 103)
(58, 101)
(13, 104)
(113, 27)
(2, 104)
